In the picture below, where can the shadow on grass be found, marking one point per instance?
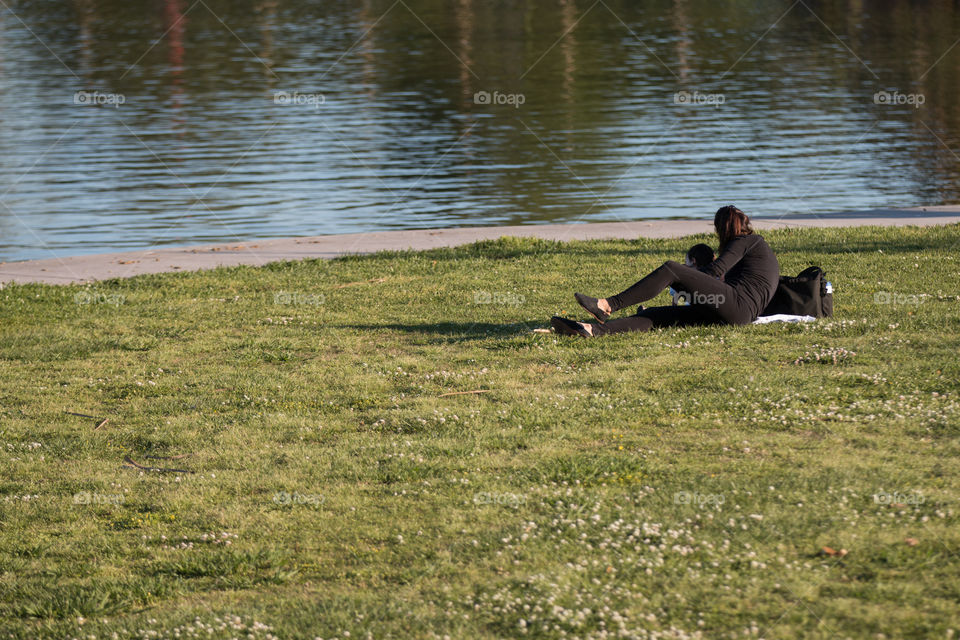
(455, 331)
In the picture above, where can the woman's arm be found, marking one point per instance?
(731, 255)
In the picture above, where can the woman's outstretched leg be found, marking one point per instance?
(646, 289)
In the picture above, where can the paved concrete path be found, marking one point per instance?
(259, 252)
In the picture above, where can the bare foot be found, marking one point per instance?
(604, 305)
(588, 326)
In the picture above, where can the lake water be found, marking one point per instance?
(171, 122)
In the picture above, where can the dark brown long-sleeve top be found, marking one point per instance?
(749, 265)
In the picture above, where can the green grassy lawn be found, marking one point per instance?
(716, 483)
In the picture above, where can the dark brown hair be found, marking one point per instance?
(730, 223)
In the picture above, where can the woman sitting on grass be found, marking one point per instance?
(733, 289)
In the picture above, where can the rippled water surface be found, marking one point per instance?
(244, 119)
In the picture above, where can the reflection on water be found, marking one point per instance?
(256, 118)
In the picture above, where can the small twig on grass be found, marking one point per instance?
(100, 421)
(129, 461)
(460, 393)
(82, 415)
(177, 457)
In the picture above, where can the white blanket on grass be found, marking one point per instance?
(783, 317)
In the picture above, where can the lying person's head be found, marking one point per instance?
(699, 256)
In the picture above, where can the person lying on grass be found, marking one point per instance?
(699, 256)
(733, 289)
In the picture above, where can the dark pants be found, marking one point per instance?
(712, 301)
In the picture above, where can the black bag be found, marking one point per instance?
(804, 295)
